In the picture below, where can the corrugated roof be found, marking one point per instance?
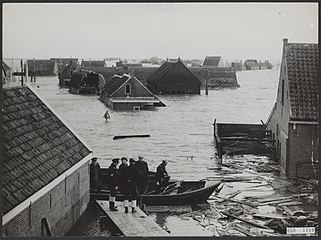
(38, 147)
(211, 61)
(302, 69)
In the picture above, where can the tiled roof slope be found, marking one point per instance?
(302, 68)
(38, 147)
(212, 61)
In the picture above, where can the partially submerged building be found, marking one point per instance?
(264, 65)
(173, 78)
(94, 63)
(251, 64)
(213, 61)
(66, 74)
(128, 93)
(83, 81)
(42, 67)
(45, 168)
(295, 115)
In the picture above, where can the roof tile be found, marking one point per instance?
(31, 132)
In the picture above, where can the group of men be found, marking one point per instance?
(130, 179)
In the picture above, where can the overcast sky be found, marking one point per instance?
(141, 30)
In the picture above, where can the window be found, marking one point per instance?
(282, 93)
(71, 72)
(127, 89)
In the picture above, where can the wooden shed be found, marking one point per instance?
(294, 119)
(45, 168)
(173, 78)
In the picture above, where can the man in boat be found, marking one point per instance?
(131, 176)
(113, 182)
(161, 176)
(95, 177)
(143, 168)
(122, 166)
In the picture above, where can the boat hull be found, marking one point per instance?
(189, 197)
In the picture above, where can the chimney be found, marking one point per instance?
(285, 42)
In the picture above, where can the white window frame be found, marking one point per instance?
(130, 88)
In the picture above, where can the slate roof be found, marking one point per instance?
(302, 69)
(211, 61)
(38, 147)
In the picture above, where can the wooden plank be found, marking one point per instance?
(243, 230)
(132, 224)
(244, 220)
(247, 139)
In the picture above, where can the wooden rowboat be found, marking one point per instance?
(173, 193)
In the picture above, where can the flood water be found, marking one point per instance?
(181, 132)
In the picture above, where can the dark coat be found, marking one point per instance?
(113, 176)
(160, 173)
(143, 168)
(95, 175)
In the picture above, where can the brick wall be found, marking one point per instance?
(62, 206)
(279, 121)
(304, 149)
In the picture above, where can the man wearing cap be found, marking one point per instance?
(131, 177)
(161, 175)
(95, 177)
(122, 166)
(143, 168)
(113, 182)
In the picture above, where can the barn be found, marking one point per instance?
(173, 78)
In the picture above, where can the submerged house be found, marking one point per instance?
(173, 78)
(265, 65)
(84, 81)
(45, 168)
(251, 64)
(295, 115)
(42, 67)
(66, 74)
(213, 61)
(94, 63)
(128, 93)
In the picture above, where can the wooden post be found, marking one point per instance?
(206, 85)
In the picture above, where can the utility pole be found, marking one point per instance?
(206, 85)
